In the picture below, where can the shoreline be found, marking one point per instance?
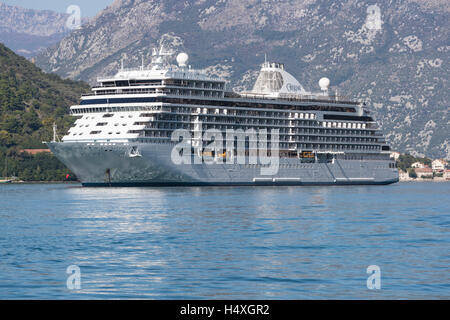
(424, 180)
(43, 182)
(78, 182)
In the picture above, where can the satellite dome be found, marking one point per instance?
(182, 59)
(324, 83)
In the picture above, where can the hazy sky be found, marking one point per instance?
(89, 8)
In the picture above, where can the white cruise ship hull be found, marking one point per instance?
(110, 164)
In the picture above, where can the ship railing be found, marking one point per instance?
(300, 98)
(169, 72)
(250, 97)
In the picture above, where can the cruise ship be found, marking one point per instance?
(167, 124)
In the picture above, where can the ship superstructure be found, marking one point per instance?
(124, 131)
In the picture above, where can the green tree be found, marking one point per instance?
(412, 173)
(5, 138)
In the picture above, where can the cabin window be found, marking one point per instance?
(122, 83)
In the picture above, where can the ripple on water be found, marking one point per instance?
(225, 243)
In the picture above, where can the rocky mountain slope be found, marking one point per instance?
(28, 32)
(394, 55)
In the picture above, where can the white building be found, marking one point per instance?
(403, 175)
(438, 165)
(416, 165)
(447, 174)
(395, 155)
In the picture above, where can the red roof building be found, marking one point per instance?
(424, 172)
(35, 151)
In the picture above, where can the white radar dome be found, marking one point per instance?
(182, 59)
(324, 83)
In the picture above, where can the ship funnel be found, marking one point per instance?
(273, 80)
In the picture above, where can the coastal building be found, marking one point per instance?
(35, 151)
(395, 155)
(403, 175)
(424, 172)
(439, 165)
(418, 165)
(447, 174)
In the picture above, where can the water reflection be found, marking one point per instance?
(224, 243)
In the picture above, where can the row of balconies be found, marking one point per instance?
(303, 130)
(276, 116)
(283, 136)
(288, 144)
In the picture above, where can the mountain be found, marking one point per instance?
(30, 102)
(28, 32)
(392, 54)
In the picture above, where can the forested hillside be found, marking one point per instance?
(30, 102)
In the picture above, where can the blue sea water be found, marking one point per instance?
(225, 243)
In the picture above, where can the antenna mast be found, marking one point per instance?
(55, 135)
